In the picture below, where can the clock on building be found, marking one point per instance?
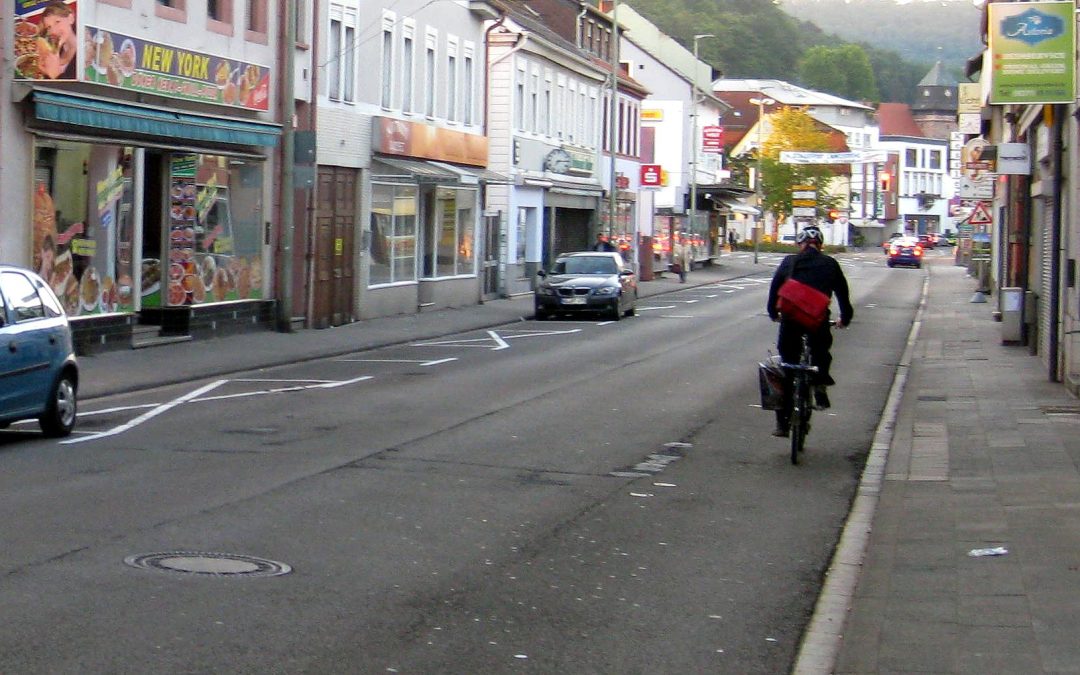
(558, 161)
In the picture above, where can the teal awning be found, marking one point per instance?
(97, 114)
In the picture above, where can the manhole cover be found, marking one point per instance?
(213, 564)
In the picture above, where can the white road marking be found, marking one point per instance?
(649, 309)
(163, 408)
(421, 362)
(502, 344)
(677, 316)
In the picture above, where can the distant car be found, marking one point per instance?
(587, 281)
(888, 242)
(39, 376)
(905, 251)
(950, 239)
(787, 239)
(929, 240)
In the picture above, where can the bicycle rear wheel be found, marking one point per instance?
(800, 418)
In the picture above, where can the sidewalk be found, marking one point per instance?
(978, 451)
(134, 369)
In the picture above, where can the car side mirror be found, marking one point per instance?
(541, 274)
(626, 272)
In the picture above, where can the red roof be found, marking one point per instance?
(894, 119)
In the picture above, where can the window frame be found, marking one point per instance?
(224, 24)
(257, 21)
(386, 60)
(175, 10)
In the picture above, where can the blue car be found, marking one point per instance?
(39, 376)
(905, 251)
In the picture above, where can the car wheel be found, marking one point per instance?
(60, 414)
(616, 310)
(890, 263)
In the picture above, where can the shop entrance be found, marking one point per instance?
(335, 225)
(491, 257)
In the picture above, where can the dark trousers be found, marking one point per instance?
(789, 344)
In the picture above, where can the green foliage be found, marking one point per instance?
(794, 130)
(757, 39)
(842, 71)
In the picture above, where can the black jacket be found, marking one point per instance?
(813, 268)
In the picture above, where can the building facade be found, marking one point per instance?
(139, 167)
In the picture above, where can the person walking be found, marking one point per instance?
(603, 244)
(684, 259)
(822, 272)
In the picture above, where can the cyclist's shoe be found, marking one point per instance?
(821, 397)
(780, 431)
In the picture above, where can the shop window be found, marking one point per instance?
(174, 10)
(392, 248)
(213, 236)
(85, 255)
(449, 245)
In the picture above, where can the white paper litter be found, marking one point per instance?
(983, 552)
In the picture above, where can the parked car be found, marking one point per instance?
(587, 281)
(905, 251)
(929, 240)
(39, 375)
(950, 239)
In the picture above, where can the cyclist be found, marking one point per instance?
(813, 268)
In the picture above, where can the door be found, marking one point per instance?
(335, 228)
(490, 264)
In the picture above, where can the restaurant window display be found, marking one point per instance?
(212, 239)
(393, 234)
(450, 244)
(82, 225)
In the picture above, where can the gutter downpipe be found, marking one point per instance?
(287, 155)
(487, 56)
(1057, 129)
(613, 128)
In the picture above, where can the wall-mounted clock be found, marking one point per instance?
(558, 161)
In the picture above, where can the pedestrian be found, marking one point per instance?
(813, 268)
(603, 244)
(683, 259)
(731, 240)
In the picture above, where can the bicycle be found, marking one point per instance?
(801, 378)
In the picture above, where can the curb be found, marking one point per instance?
(824, 635)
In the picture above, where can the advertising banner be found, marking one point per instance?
(712, 139)
(132, 63)
(46, 40)
(1033, 51)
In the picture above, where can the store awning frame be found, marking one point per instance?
(112, 116)
(423, 170)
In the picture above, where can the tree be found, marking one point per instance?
(793, 129)
(844, 71)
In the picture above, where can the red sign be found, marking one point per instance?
(622, 182)
(712, 139)
(980, 215)
(650, 175)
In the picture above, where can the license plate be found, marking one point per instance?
(573, 301)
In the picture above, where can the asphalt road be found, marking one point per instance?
(567, 496)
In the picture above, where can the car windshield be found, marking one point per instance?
(593, 264)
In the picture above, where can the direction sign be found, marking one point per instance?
(804, 211)
(980, 215)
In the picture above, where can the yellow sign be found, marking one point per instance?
(652, 115)
(339, 246)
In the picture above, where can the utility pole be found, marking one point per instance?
(760, 102)
(288, 143)
(694, 135)
(613, 128)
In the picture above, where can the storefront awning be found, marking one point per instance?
(739, 207)
(439, 172)
(134, 119)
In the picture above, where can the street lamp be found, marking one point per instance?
(760, 103)
(694, 133)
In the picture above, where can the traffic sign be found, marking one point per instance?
(980, 215)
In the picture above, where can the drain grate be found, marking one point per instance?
(211, 564)
(1061, 409)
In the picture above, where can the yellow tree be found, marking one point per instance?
(792, 129)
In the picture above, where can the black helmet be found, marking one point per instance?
(809, 234)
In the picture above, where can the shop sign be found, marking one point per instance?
(712, 139)
(109, 191)
(85, 247)
(650, 175)
(1033, 51)
(46, 40)
(1013, 159)
(969, 98)
(424, 141)
(622, 182)
(128, 62)
(652, 115)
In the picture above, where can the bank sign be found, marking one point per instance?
(1033, 52)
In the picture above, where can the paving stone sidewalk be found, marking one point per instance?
(984, 455)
